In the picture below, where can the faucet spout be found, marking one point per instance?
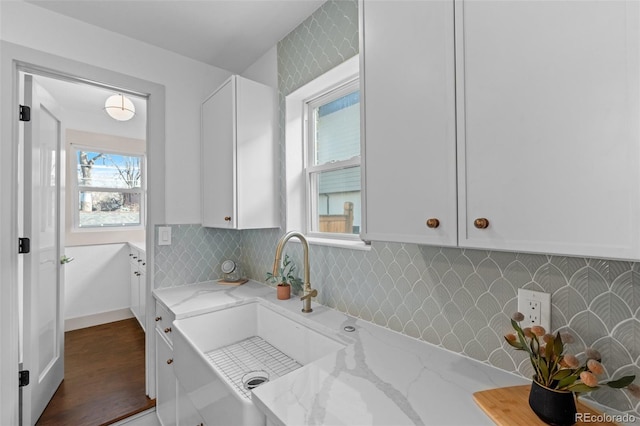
(308, 292)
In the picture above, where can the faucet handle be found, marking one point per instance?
(312, 293)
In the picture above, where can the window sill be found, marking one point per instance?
(335, 242)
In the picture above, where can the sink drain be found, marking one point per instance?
(253, 379)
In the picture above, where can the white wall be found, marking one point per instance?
(265, 69)
(97, 281)
(187, 82)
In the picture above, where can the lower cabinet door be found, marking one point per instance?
(165, 382)
(187, 413)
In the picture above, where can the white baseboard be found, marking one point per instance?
(97, 319)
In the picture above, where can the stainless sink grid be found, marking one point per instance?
(235, 360)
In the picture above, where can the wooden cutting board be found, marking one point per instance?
(510, 407)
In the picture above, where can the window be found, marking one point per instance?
(108, 189)
(333, 161)
(322, 158)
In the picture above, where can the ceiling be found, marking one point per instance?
(229, 34)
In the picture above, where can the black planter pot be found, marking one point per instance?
(557, 408)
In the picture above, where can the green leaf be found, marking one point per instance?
(516, 326)
(544, 370)
(567, 381)
(582, 388)
(561, 374)
(548, 351)
(558, 346)
(622, 382)
(515, 344)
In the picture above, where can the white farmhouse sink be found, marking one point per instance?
(211, 350)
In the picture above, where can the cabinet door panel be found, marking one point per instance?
(256, 177)
(165, 382)
(409, 145)
(548, 126)
(218, 158)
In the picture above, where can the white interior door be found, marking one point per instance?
(43, 336)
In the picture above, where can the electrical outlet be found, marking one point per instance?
(536, 308)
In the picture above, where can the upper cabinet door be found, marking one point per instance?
(239, 156)
(218, 157)
(548, 126)
(409, 145)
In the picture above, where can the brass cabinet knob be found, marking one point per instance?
(158, 319)
(481, 223)
(227, 218)
(167, 330)
(433, 223)
(170, 361)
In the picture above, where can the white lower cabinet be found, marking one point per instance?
(165, 377)
(137, 264)
(187, 413)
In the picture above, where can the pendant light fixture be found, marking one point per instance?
(119, 107)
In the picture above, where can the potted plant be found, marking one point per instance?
(558, 376)
(286, 279)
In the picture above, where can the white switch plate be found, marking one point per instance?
(164, 235)
(536, 307)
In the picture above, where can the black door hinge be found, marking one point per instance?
(23, 378)
(25, 113)
(24, 245)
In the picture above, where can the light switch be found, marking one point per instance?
(164, 235)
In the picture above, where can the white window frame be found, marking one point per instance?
(296, 154)
(76, 188)
(311, 169)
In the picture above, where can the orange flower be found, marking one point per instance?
(570, 361)
(527, 332)
(592, 354)
(589, 379)
(538, 330)
(517, 317)
(511, 337)
(567, 337)
(548, 338)
(595, 367)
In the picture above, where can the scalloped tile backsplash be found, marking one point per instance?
(459, 299)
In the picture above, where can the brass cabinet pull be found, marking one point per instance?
(227, 218)
(158, 319)
(481, 223)
(167, 330)
(170, 361)
(433, 223)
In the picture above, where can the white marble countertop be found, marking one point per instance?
(140, 245)
(380, 378)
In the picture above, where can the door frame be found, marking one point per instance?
(15, 58)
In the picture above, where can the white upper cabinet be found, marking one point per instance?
(409, 149)
(548, 126)
(238, 156)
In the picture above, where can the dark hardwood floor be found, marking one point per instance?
(104, 379)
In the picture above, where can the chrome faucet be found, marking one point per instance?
(307, 292)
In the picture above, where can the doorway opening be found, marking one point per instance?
(85, 282)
